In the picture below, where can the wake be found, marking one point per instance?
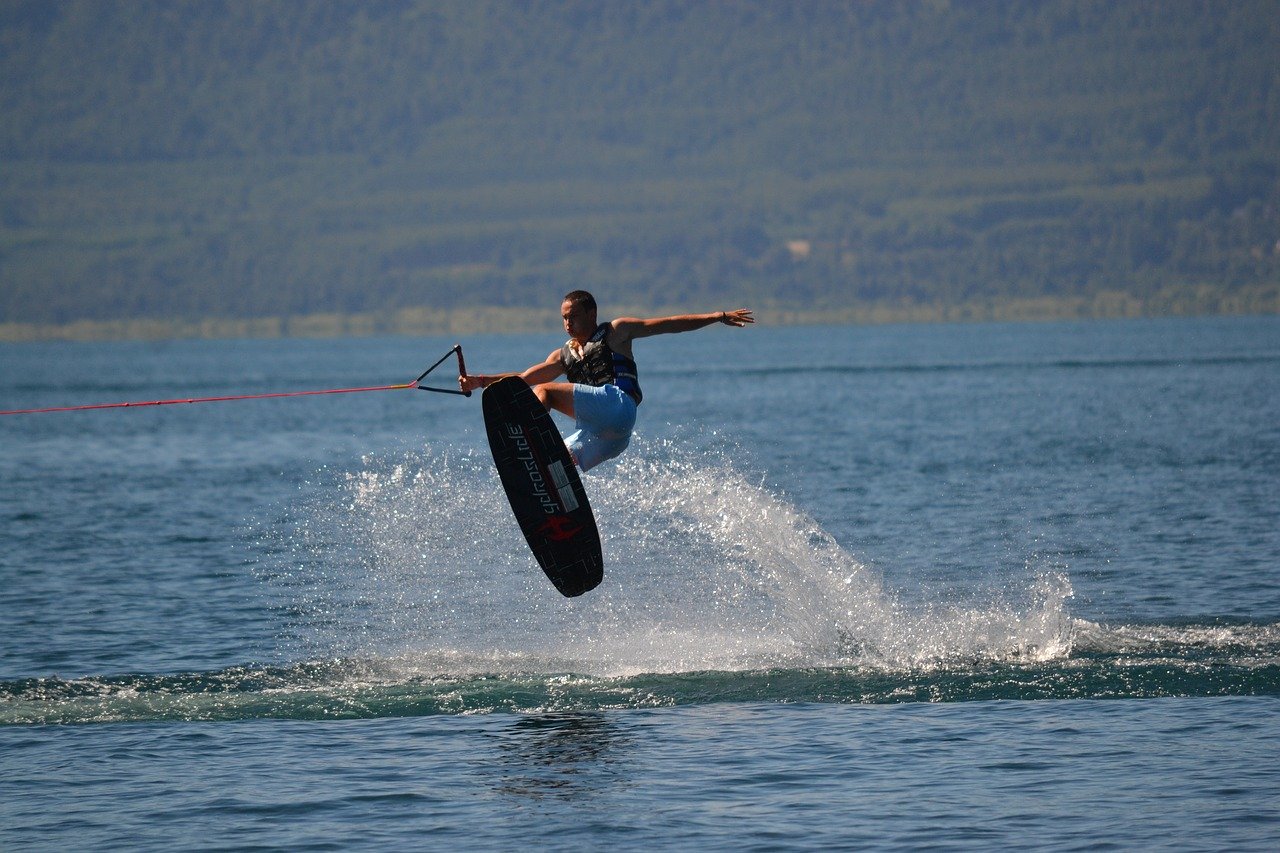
(414, 594)
(704, 571)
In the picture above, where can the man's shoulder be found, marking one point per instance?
(623, 326)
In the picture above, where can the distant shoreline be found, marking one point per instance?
(1188, 302)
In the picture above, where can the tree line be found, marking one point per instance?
(253, 159)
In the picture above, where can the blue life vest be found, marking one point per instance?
(600, 365)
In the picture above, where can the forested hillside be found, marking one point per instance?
(188, 161)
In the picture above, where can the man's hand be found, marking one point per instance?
(740, 317)
(472, 382)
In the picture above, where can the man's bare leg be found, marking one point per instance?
(556, 395)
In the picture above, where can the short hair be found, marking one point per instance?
(580, 298)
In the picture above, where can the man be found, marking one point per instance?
(603, 390)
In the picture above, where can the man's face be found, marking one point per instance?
(578, 322)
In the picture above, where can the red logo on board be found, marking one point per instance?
(558, 528)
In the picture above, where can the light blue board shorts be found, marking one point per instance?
(604, 416)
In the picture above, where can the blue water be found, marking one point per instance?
(963, 586)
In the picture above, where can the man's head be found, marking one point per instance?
(579, 314)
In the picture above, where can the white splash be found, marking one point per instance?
(703, 571)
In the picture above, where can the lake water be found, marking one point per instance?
(960, 586)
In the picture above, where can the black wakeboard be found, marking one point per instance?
(543, 486)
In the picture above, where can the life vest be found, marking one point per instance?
(600, 365)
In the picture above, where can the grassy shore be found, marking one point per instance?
(1174, 302)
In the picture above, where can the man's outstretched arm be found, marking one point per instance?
(543, 371)
(631, 327)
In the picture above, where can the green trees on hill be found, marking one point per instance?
(248, 159)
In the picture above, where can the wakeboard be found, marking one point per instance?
(543, 486)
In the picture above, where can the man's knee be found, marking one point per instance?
(555, 396)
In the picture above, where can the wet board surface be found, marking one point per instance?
(543, 486)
